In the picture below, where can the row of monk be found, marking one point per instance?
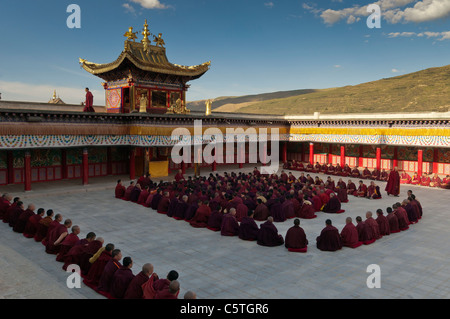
(425, 180)
(99, 265)
(231, 204)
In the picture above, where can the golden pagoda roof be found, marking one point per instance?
(146, 57)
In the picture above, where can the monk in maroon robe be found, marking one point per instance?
(355, 172)
(268, 234)
(329, 238)
(383, 223)
(295, 239)
(33, 223)
(346, 171)
(56, 236)
(92, 279)
(5, 203)
(230, 226)
(89, 102)
(403, 221)
(23, 219)
(415, 180)
(349, 234)
(373, 191)
(248, 229)
(215, 220)
(288, 208)
(134, 290)
(365, 234)
(333, 206)
(9, 210)
(261, 211)
(366, 174)
(119, 192)
(163, 205)
(44, 224)
(179, 176)
(122, 279)
(375, 175)
(241, 211)
(128, 191)
(362, 190)
(405, 178)
(393, 221)
(169, 293)
(307, 211)
(341, 191)
(436, 181)
(200, 219)
(425, 180)
(143, 196)
(372, 223)
(351, 187)
(67, 243)
(393, 183)
(104, 286)
(82, 251)
(15, 213)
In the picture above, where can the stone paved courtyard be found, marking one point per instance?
(414, 263)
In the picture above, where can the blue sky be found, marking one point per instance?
(255, 46)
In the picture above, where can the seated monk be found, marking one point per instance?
(446, 182)
(120, 190)
(215, 220)
(287, 165)
(329, 238)
(268, 234)
(230, 226)
(373, 191)
(291, 178)
(56, 236)
(351, 188)
(375, 175)
(128, 191)
(309, 167)
(355, 172)
(402, 215)
(33, 223)
(339, 170)
(150, 290)
(200, 219)
(134, 290)
(411, 210)
(393, 221)
(284, 177)
(333, 206)
(415, 180)
(288, 207)
(179, 176)
(317, 167)
(248, 229)
(361, 191)
(405, 178)
(366, 174)
(372, 223)
(307, 211)
(43, 225)
(67, 242)
(9, 210)
(169, 293)
(5, 203)
(435, 181)
(163, 204)
(276, 212)
(181, 207)
(324, 168)
(349, 234)
(384, 176)
(341, 191)
(142, 199)
(300, 166)
(425, 180)
(121, 279)
(23, 218)
(330, 169)
(134, 196)
(329, 184)
(98, 263)
(104, 285)
(241, 211)
(295, 239)
(346, 171)
(81, 252)
(15, 213)
(383, 223)
(365, 234)
(316, 201)
(55, 223)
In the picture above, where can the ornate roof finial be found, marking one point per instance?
(145, 41)
(130, 34)
(159, 40)
(54, 94)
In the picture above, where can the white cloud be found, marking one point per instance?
(150, 4)
(337, 66)
(395, 70)
(423, 11)
(129, 8)
(441, 36)
(269, 4)
(19, 91)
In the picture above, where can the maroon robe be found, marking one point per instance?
(295, 239)
(14, 216)
(120, 282)
(72, 257)
(163, 205)
(32, 226)
(393, 184)
(42, 228)
(383, 224)
(372, 223)
(215, 220)
(393, 223)
(261, 212)
(349, 236)
(268, 235)
(53, 235)
(23, 220)
(95, 272)
(134, 290)
(230, 226)
(241, 211)
(143, 197)
(88, 106)
(89, 251)
(200, 219)
(128, 191)
(288, 209)
(4, 205)
(105, 281)
(119, 191)
(69, 241)
(333, 206)
(307, 212)
(329, 239)
(365, 233)
(403, 220)
(248, 229)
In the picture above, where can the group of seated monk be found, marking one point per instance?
(99, 265)
(371, 192)
(366, 232)
(425, 180)
(337, 170)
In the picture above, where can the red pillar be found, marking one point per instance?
(342, 156)
(361, 156)
(311, 153)
(132, 163)
(395, 160)
(379, 158)
(27, 171)
(10, 166)
(330, 153)
(284, 154)
(85, 166)
(183, 168)
(435, 160)
(108, 161)
(64, 164)
(420, 162)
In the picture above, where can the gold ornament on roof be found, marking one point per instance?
(130, 34)
(145, 41)
(159, 40)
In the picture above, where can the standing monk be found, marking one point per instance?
(393, 183)
(88, 105)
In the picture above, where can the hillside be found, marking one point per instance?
(423, 91)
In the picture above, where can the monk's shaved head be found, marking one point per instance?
(147, 269)
(368, 214)
(100, 239)
(90, 235)
(190, 295)
(348, 220)
(174, 286)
